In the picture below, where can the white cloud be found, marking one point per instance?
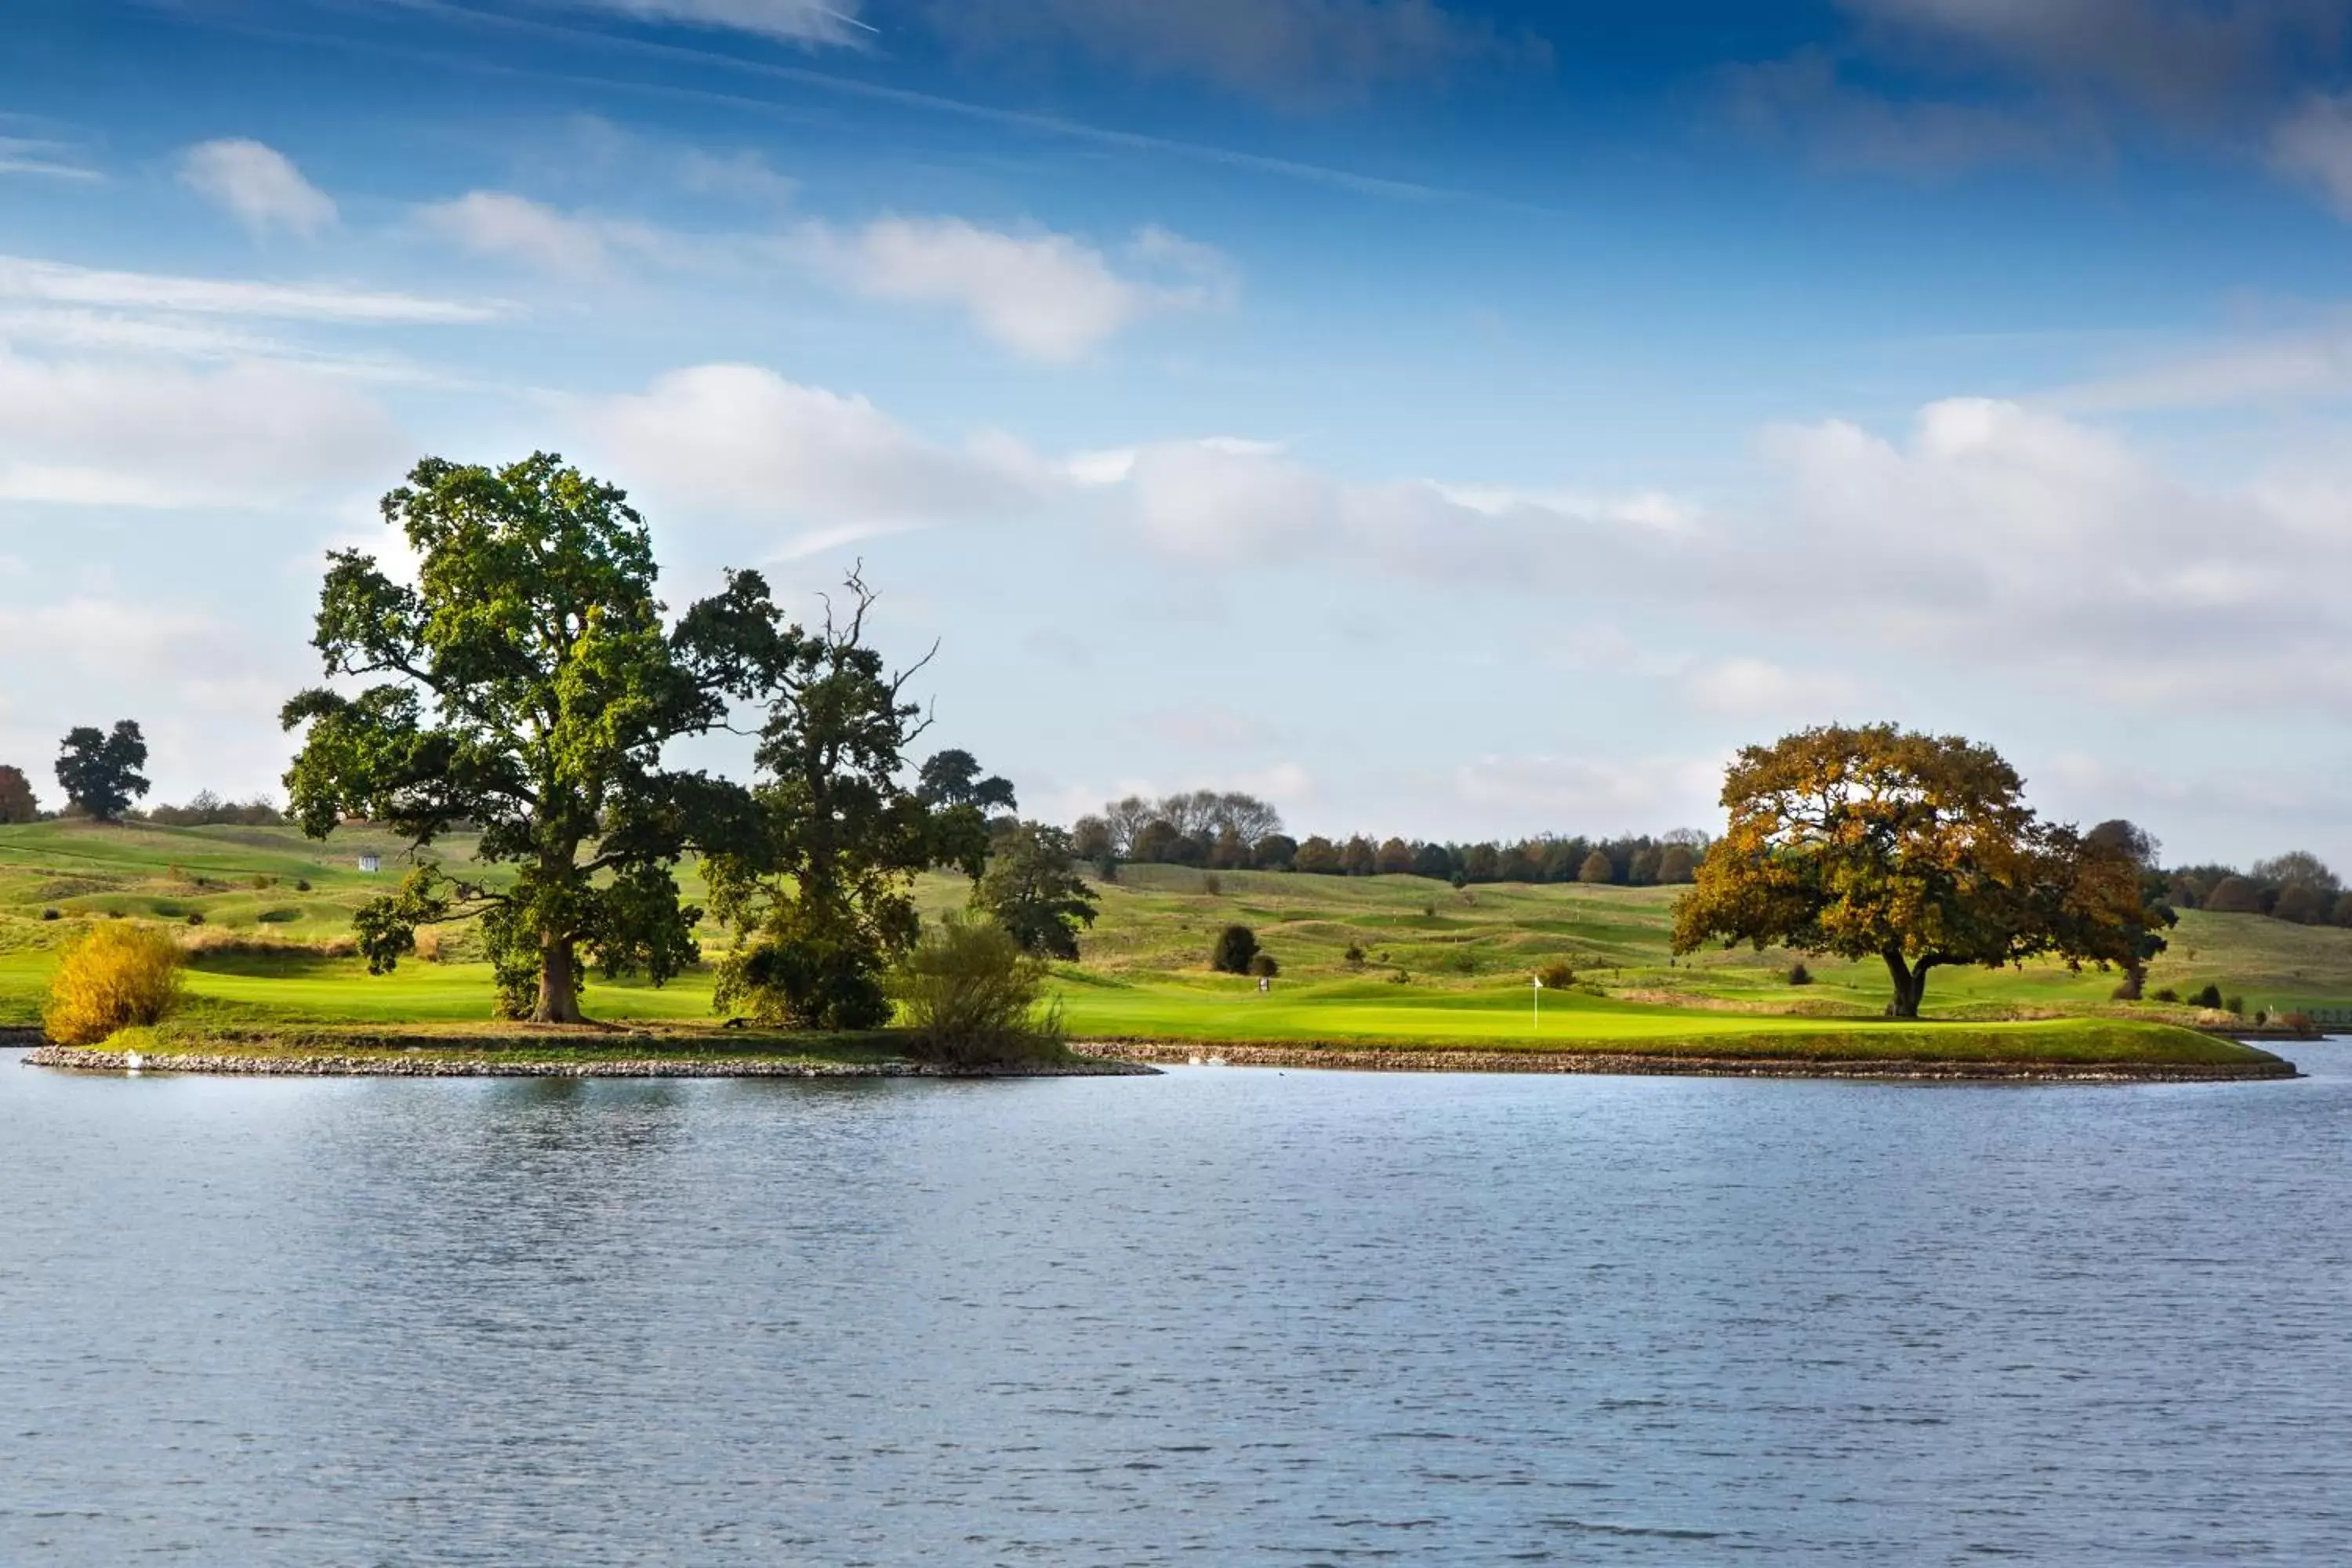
(250, 434)
(1998, 536)
(257, 184)
(797, 21)
(1045, 295)
(741, 444)
(515, 229)
(60, 283)
(2314, 144)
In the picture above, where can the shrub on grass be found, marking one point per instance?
(1354, 956)
(1212, 884)
(2209, 998)
(970, 993)
(51, 915)
(1264, 965)
(2234, 1004)
(2168, 995)
(301, 884)
(1556, 975)
(1799, 975)
(1236, 945)
(113, 978)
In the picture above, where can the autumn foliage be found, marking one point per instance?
(117, 976)
(1917, 849)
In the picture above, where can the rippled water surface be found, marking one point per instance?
(1222, 1317)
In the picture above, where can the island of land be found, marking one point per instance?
(1389, 971)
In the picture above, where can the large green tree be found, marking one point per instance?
(821, 892)
(1916, 849)
(98, 769)
(524, 686)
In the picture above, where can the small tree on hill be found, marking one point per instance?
(17, 802)
(1235, 946)
(1596, 869)
(952, 777)
(1676, 864)
(1033, 893)
(98, 770)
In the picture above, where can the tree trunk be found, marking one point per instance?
(2135, 979)
(559, 982)
(1910, 984)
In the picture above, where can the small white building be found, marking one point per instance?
(371, 864)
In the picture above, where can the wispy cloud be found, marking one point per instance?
(61, 283)
(43, 157)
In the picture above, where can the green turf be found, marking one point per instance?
(1437, 964)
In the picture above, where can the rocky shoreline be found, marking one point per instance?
(418, 1065)
(1374, 1060)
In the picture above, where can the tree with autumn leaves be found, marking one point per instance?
(1916, 849)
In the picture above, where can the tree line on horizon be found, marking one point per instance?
(1238, 832)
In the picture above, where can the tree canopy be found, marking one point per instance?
(17, 802)
(524, 687)
(98, 770)
(820, 888)
(1033, 892)
(1917, 849)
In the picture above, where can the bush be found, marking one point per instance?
(812, 969)
(1212, 884)
(1799, 975)
(2209, 997)
(1354, 956)
(1264, 966)
(301, 884)
(51, 915)
(2234, 1004)
(1236, 945)
(2168, 995)
(1556, 975)
(113, 978)
(195, 916)
(970, 992)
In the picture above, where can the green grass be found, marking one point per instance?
(1439, 965)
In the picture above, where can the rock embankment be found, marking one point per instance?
(412, 1064)
(1380, 1059)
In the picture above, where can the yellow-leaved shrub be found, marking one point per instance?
(118, 975)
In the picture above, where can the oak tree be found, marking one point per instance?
(1033, 893)
(1917, 849)
(524, 686)
(98, 770)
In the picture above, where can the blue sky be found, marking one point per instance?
(1446, 419)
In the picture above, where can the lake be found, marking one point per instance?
(1219, 1316)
